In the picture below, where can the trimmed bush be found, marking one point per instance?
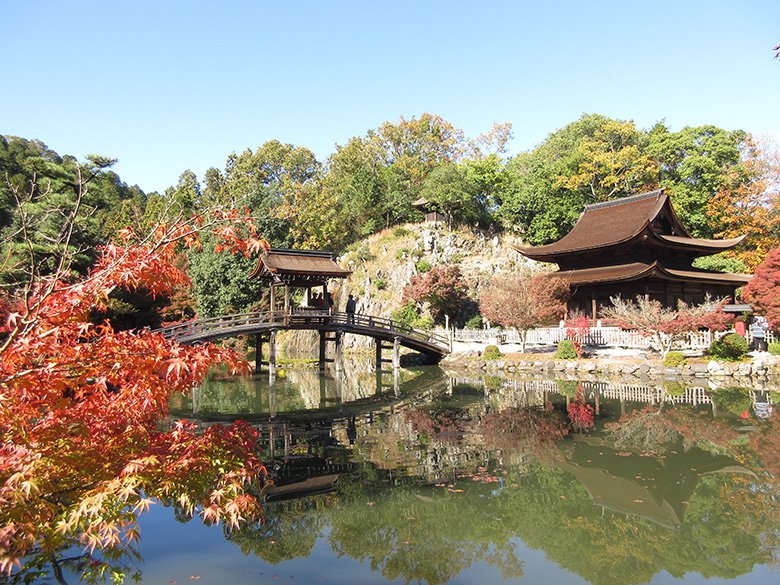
(674, 359)
(380, 283)
(774, 348)
(566, 350)
(492, 353)
(730, 347)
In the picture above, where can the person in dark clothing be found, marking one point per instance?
(351, 305)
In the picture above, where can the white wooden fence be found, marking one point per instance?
(598, 336)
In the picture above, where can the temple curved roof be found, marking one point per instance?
(645, 217)
(297, 266)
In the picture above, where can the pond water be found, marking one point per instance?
(425, 477)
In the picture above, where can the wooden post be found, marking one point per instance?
(594, 309)
(397, 382)
(396, 353)
(273, 301)
(258, 353)
(339, 341)
(286, 299)
(323, 342)
(378, 344)
(272, 352)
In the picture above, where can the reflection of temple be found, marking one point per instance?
(654, 488)
(635, 246)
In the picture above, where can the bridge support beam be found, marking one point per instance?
(258, 353)
(396, 358)
(339, 342)
(272, 352)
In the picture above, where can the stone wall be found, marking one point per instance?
(759, 372)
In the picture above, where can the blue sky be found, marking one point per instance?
(168, 85)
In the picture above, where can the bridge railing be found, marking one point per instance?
(298, 317)
(389, 325)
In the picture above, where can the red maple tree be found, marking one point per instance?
(83, 411)
(522, 301)
(763, 291)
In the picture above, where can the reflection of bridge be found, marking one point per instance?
(331, 327)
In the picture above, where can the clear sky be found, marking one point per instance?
(168, 85)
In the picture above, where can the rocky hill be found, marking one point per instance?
(384, 263)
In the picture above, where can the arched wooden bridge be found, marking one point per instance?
(265, 324)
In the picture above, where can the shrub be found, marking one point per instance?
(492, 353)
(774, 348)
(674, 359)
(423, 266)
(406, 315)
(401, 253)
(566, 350)
(474, 322)
(380, 283)
(424, 322)
(730, 347)
(400, 232)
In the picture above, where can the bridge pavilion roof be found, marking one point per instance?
(297, 267)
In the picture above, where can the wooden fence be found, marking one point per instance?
(598, 337)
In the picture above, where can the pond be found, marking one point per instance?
(427, 477)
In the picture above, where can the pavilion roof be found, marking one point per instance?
(297, 266)
(617, 222)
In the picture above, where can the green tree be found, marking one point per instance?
(695, 164)
(220, 281)
(592, 159)
(453, 191)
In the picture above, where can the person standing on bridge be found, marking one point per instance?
(351, 306)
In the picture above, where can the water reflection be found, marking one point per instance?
(431, 476)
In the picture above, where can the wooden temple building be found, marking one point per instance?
(285, 269)
(635, 246)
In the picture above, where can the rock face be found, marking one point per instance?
(384, 263)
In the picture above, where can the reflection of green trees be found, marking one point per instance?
(425, 536)
(719, 536)
(289, 531)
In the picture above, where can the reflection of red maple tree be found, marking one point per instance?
(581, 414)
(523, 427)
(81, 408)
(445, 424)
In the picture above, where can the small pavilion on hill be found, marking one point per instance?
(288, 269)
(635, 246)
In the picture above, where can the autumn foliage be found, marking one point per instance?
(663, 325)
(763, 291)
(522, 301)
(442, 288)
(83, 411)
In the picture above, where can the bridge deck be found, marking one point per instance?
(198, 331)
